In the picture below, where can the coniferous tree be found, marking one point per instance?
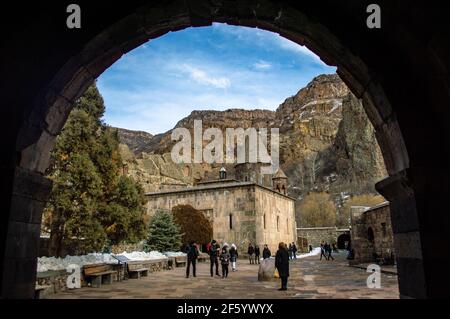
(164, 234)
(91, 204)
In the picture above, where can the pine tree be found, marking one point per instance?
(91, 204)
(164, 234)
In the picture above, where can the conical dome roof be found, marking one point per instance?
(279, 174)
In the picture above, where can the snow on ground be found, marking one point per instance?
(53, 263)
(315, 251)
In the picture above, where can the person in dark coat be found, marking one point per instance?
(225, 261)
(257, 254)
(310, 248)
(233, 256)
(213, 257)
(294, 250)
(192, 255)
(328, 250)
(251, 252)
(322, 251)
(282, 264)
(266, 252)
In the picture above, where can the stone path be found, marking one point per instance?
(310, 278)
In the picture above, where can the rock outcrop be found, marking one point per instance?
(326, 144)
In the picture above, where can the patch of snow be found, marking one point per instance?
(315, 252)
(53, 263)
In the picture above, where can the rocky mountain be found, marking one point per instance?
(136, 141)
(326, 143)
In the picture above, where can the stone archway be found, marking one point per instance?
(343, 240)
(336, 32)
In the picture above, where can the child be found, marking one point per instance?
(224, 260)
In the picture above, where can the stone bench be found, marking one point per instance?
(180, 261)
(98, 274)
(137, 273)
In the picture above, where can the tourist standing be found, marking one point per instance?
(251, 252)
(266, 252)
(282, 264)
(257, 254)
(213, 257)
(310, 248)
(233, 256)
(225, 260)
(294, 250)
(192, 255)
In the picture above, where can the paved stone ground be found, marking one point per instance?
(310, 278)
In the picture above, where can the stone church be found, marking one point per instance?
(251, 208)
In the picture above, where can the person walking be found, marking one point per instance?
(310, 248)
(266, 252)
(225, 260)
(192, 255)
(282, 264)
(251, 252)
(257, 254)
(328, 251)
(233, 256)
(322, 251)
(294, 250)
(213, 257)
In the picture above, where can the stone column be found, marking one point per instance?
(420, 222)
(30, 192)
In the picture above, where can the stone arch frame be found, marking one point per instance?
(51, 108)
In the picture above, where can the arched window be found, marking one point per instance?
(370, 234)
(283, 189)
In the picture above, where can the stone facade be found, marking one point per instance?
(240, 212)
(315, 235)
(372, 233)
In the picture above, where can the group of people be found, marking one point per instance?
(226, 256)
(254, 253)
(326, 249)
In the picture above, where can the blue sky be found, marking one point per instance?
(209, 68)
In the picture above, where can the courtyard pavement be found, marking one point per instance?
(310, 278)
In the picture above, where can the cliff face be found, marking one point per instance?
(326, 143)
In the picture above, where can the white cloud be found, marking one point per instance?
(202, 77)
(262, 65)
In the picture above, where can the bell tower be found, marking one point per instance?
(280, 182)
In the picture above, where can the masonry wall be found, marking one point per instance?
(217, 205)
(271, 206)
(246, 205)
(379, 220)
(316, 235)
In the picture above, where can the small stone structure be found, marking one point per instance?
(315, 235)
(372, 237)
(266, 270)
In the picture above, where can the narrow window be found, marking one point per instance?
(264, 221)
(231, 221)
(278, 223)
